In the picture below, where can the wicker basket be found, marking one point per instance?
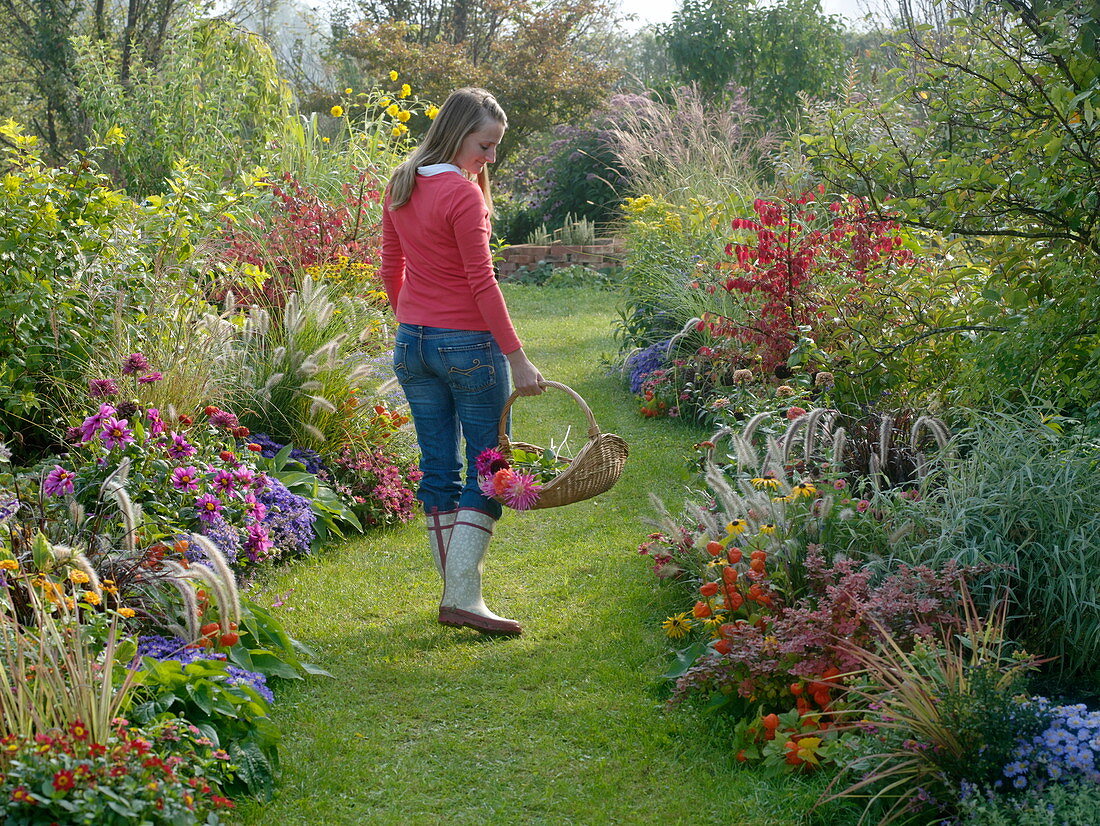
(595, 469)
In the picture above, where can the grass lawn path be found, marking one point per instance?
(423, 724)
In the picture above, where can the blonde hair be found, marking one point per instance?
(465, 111)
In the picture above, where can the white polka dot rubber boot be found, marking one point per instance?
(462, 605)
(439, 526)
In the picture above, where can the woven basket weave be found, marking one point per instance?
(595, 469)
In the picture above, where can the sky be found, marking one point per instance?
(660, 11)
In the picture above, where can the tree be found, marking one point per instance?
(537, 58)
(775, 52)
(992, 135)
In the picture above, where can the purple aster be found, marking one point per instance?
(223, 418)
(180, 447)
(226, 537)
(58, 482)
(208, 507)
(224, 483)
(185, 478)
(91, 425)
(102, 387)
(116, 432)
(135, 363)
(152, 377)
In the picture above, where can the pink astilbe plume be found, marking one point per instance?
(522, 491)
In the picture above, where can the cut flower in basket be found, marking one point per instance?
(517, 482)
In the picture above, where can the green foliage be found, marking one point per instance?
(214, 99)
(960, 137)
(776, 51)
(60, 233)
(232, 714)
(1023, 499)
(333, 514)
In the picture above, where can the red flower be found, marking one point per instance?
(63, 781)
(78, 730)
(21, 794)
(709, 589)
(255, 448)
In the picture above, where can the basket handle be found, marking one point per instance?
(593, 428)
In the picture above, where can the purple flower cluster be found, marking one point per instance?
(1069, 749)
(310, 458)
(227, 537)
(641, 364)
(289, 519)
(172, 648)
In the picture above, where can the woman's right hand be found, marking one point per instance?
(526, 378)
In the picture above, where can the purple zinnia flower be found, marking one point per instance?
(102, 387)
(224, 482)
(223, 418)
(152, 377)
(116, 432)
(135, 363)
(208, 506)
(185, 478)
(58, 482)
(91, 425)
(180, 447)
(522, 491)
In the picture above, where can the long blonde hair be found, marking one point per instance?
(465, 111)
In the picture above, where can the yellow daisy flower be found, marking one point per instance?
(90, 597)
(347, 91)
(736, 527)
(126, 612)
(767, 529)
(804, 489)
(406, 90)
(762, 482)
(325, 140)
(8, 565)
(393, 75)
(337, 111)
(392, 110)
(431, 112)
(77, 576)
(677, 625)
(403, 116)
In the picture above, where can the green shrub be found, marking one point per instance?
(1069, 804)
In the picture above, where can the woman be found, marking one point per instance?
(455, 345)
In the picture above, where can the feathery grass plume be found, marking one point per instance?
(200, 574)
(840, 444)
(311, 386)
(885, 430)
(789, 438)
(221, 566)
(704, 518)
(360, 373)
(664, 520)
(176, 576)
(278, 354)
(874, 466)
(75, 558)
(314, 431)
(321, 404)
(273, 380)
(76, 513)
(773, 457)
(747, 455)
(819, 422)
(934, 426)
(750, 427)
(128, 509)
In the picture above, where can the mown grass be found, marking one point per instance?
(566, 725)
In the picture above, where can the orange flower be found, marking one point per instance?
(733, 555)
(729, 575)
(709, 589)
(757, 565)
(702, 610)
(501, 479)
(714, 548)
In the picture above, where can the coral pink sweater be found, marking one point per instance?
(436, 264)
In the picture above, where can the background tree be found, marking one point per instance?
(992, 136)
(775, 52)
(540, 59)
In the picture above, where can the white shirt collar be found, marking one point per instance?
(437, 168)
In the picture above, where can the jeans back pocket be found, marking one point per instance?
(469, 367)
(400, 360)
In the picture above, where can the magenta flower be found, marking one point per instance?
(157, 425)
(224, 483)
(208, 506)
(255, 509)
(152, 377)
(489, 462)
(522, 491)
(243, 477)
(135, 363)
(223, 418)
(185, 478)
(486, 485)
(58, 482)
(91, 425)
(116, 432)
(102, 387)
(862, 505)
(257, 543)
(180, 447)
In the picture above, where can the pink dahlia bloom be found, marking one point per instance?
(522, 491)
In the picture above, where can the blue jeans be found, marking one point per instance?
(456, 382)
